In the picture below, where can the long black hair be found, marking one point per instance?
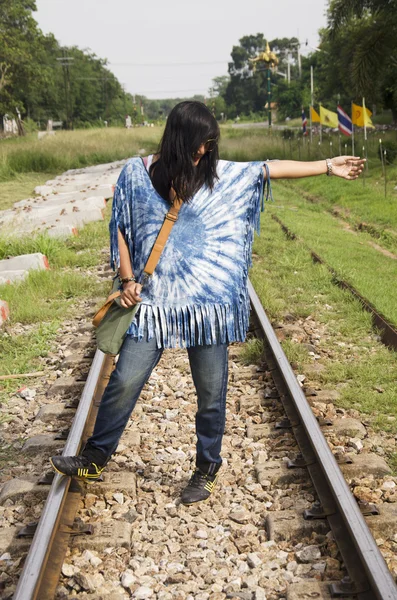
(189, 125)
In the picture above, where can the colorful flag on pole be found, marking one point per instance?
(361, 117)
(304, 122)
(315, 116)
(328, 118)
(345, 122)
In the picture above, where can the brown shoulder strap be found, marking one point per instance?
(169, 221)
(104, 309)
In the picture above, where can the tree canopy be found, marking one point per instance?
(357, 57)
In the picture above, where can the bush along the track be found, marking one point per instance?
(328, 337)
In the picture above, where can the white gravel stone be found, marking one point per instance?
(5, 556)
(90, 557)
(308, 554)
(260, 594)
(69, 570)
(253, 560)
(142, 592)
(27, 393)
(388, 485)
(128, 579)
(320, 567)
(201, 534)
(171, 414)
(119, 497)
(292, 566)
(356, 443)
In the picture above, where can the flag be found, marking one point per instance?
(345, 122)
(361, 117)
(315, 116)
(304, 122)
(328, 118)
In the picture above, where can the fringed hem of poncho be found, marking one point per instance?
(186, 326)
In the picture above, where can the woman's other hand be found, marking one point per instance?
(347, 167)
(130, 294)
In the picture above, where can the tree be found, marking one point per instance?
(366, 32)
(246, 91)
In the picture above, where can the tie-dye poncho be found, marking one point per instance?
(199, 286)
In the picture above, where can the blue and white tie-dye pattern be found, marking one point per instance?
(201, 278)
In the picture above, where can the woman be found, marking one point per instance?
(197, 296)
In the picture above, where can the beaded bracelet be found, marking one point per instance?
(126, 279)
(329, 166)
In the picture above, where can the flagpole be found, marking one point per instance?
(351, 112)
(312, 101)
(365, 120)
(321, 128)
(340, 141)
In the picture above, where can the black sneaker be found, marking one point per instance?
(199, 488)
(77, 466)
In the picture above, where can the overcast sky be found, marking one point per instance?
(145, 41)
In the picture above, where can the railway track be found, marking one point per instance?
(388, 332)
(266, 512)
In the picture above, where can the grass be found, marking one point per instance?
(21, 186)
(80, 251)
(46, 298)
(349, 253)
(72, 150)
(356, 203)
(22, 353)
(354, 362)
(252, 351)
(47, 295)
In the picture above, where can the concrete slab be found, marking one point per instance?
(263, 430)
(290, 525)
(11, 276)
(362, 465)
(24, 262)
(62, 231)
(58, 199)
(366, 464)
(65, 385)
(349, 428)
(92, 185)
(118, 481)
(59, 204)
(115, 534)
(51, 412)
(74, 220)
(279, 474)
(118, 164)
(384, 525)
(16, 489)
(42, 444)
(307, 590)
(9, 542)
(4, 312)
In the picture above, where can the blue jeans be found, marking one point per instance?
(209, 367)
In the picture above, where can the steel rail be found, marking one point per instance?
(38, 554)
(372, 563)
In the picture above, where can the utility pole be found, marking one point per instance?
(299, 60)
(65, 62)
(288, 68)
(311, 101)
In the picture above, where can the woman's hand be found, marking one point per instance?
(347, 167)
(130, 294)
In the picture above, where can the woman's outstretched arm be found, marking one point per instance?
(347, 167)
